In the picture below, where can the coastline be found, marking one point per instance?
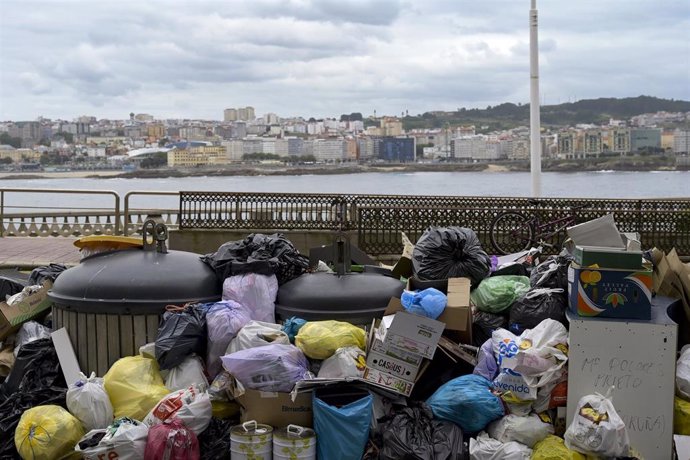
(272, 170)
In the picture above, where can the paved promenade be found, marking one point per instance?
(29, 252)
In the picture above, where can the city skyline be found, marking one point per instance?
(321, 59)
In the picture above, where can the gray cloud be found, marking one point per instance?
(326, 57)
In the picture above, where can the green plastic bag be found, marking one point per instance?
(496, 293)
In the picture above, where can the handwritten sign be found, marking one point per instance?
(637, 359)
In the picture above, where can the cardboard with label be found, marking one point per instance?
(390, 365)
(457, 316)
(276, 409)
(13, 316)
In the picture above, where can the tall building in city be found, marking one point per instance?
(397, 149)
(230, 115)
(239, 114)
(619, 140)
(644, 138)
(681, 141)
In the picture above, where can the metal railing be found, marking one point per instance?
(378, 220)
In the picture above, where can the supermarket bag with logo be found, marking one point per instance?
(89, 402)
(191, 405)
(124, 439)
(171, 440)
(533, 360)
(47, 433)
(597, 429)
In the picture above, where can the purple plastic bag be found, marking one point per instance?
(274, 367)
(256, 293)
(224, 319)
(486, 366)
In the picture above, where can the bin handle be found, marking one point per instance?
(295, 430)
(251, 423)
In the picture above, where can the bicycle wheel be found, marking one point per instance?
(511, 232)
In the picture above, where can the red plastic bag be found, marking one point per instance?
(173, 441)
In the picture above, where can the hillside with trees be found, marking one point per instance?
(509, 115)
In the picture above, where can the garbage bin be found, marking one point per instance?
(111, 303)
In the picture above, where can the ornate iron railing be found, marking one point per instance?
(380, 219)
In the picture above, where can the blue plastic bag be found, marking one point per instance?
(342, 432)
(429, 302)
(468, 402)
(292, 326)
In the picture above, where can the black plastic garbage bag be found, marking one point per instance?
(181, 333)
(261, 254)
(484, 323)
(12, 408)
(412, 434)
(214, 442)
(36, 379)
(536, 306)
(36, 367)
(9, 287)
(551, 273)
(51, 272)
(447, 252)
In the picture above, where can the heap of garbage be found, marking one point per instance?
(472, 361)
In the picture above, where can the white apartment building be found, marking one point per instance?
(96, 152)
(469, 148)
(681, 141)
(329, 150)
(315, 128)
(233, 149)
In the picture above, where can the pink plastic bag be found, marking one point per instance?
(173, 441)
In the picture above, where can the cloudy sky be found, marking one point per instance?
(192, 59)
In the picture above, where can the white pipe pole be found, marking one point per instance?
(535, 124)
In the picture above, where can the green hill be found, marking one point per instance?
(508, 115)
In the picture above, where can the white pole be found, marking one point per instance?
(535, 135)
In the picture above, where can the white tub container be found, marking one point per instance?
(251, 441)
(294, 443)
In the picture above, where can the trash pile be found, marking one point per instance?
(472, 361)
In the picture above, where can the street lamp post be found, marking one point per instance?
(535, 134)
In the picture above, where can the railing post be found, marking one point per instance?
(117, 214)
(2, 213)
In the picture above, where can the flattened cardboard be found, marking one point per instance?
(414, 333)
(66, 356)
(11, 317)
(390, 365)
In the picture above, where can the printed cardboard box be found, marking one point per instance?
(414, 334)
(390, 365)
(391, 382)
(276, 409)
(586, 256)
(11, 317)
(610, 293)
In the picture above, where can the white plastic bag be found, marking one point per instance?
(190, 372)
(191, 405)
(683, 373)
(525, 430)
(256, 293)
(531, 361)
(597, 429)
(257, 334)
(345, 362)
(89, 402)
(125, 439)
(487, 448)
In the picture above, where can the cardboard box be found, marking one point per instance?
(457, 315)
(11, 317)
(376, 343)
(276, 409)
(610, 293)
(586, 256)
(388, 381)
(414, 334)
(390, 365)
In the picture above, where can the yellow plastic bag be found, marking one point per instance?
(320, 339)
(553, 448)
(134, 385)
(47, 432)
(681, 416)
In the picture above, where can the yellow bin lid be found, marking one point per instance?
(115, 242)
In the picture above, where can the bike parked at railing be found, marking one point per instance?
(515, 231)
